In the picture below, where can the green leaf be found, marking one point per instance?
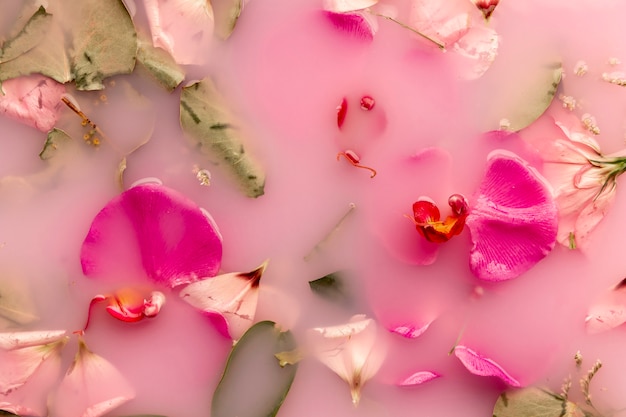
(56, 139)
(226, 15)
(205, 117)
(159, 64)
(331, 287)
(524, 99)
(84, 42)
(534, 402)
(254, 384)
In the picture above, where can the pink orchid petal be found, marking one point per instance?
(483, 366)
(418, 378)
(23, 353)
(175, 241)
(184, 28)
(410, 330)
(608, 311)
(34, 100)
(233, 296)
(360, 25)
(91, 388)
(514, 220)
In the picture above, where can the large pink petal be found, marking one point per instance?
(483, 366)
(91, 388)
(176, 242)
(34, 100)
(514, 220)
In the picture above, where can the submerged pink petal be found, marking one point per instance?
(483, 366)
(91, 388)
(444, 21)
(514, 220)
(418, 378)
(23, 353)
(359, 25)
(34, 100)
(176, 242)
(233, 296)
(476, 50)
(607, 312)
(410, 330)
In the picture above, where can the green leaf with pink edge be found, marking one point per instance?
(207, 120)
(226, 15)
(254, 384)
(535, 402)
(101, 42)
(526, 99)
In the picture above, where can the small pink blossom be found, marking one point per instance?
(482, 365)
(352, 350)
(91, 387)
(513, 221)
(232, 297)
(34, 100)
(418, 378)
(584, 181)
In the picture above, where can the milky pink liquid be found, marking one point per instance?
(284, 71)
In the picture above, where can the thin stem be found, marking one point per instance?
(428, 38)
(326, 238)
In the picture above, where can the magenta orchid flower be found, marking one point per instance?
(352, 350)
(584, 181)
(230, 297)
(513, 221)
(34, 100)
(91, 387)
(131, 304)
(152, 232)
(184, 28)
(483, 366)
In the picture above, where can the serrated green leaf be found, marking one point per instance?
(226, 15)
(331, 287)
(254, 384)
(28, 37)
(205, 118)
(159, 64)
(84, 42)
(534, 402)
(56, 139)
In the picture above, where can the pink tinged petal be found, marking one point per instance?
(483, 366)
(418, 378)
(176, 242)
(477, 50)
(410, 330)
(445, 22)
(514, 220)
(184, 28)
(609, 311)
(486, 7)
(343, 6)
(34, 100)
(351, 350)
(22, 353)
(92, 387)
(360, 25)
(234, 296)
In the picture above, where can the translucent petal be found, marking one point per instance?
(418, 378)
(483, 366)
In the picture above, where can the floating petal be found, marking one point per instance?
(91, 388)
(343, 6)
(178, 243)
(359, 25)
(483, 366)
(34, 100)
(445, 22)
(233, 296)
(609, 311)
(410, 331)
(514, 220)
(418, 378)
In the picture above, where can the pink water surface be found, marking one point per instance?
(284, 71)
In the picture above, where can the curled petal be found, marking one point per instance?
(342, 6)
(514, 220)
(483, 366)
(410, 331)
(351, 350)
(22, 353)
(360, 25)
(91, 388)
(418, 378)
(129, 305)
(34, 100)
(177, 243)
(233, 296)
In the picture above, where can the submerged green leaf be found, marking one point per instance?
(534, 402)
(254, 384)
(332, 287)
(205, 117)
(84, 41)
(56, 139)
(159, 64)
(226, 15)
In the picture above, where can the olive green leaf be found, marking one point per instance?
(534, 402)
(205, 118)
(159, 64)
(332, 287)
(254, 383)
(226, 15)
(56, 139)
